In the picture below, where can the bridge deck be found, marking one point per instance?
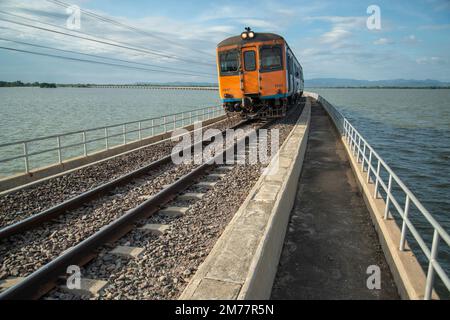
(330, 240)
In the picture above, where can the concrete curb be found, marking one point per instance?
(244, 261)
(405, 268)
(24, 180)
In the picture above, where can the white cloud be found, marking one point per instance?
(410, 39)
(431, 60)
(342, 29)
(184, 36)
(383, 41)
(336, 35)
(435, 27)
(354, 22)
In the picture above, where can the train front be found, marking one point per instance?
(251, 70)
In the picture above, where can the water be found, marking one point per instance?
(410, 129)
(28, 113)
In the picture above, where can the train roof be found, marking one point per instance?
(258, 37)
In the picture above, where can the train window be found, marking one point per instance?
(271, 58)
(229, 61)
(250, 60)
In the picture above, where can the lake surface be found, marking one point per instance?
(28, 113)
(410, 129)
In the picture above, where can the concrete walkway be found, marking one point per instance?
(330, 241)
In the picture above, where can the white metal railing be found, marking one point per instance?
(367, 156)
(103, 138)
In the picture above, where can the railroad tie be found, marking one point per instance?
(156, 229)
(9, 282)
(224, 168)
(127, 252)
(88, 287)
(206, 184)
(191, 196)
(174, 212)
(217, 175)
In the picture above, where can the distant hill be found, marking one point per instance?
(339, 83)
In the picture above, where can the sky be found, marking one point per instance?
(331, 39)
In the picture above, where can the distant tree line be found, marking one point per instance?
(22, 84)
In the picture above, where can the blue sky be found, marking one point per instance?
(330, 38)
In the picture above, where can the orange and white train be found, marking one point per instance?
(258, 71)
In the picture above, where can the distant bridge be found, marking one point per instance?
(153, 87)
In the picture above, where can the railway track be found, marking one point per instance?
(43, 279)
(168, 202)
(20, 204)
(77, 201)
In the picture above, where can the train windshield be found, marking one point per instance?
(229, 61)
(271, 58)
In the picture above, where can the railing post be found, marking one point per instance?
(369, 164)
(430, 274)
(58, 141)
(106, 139)
(25, 154)
(124, 133)
(353, 141)
(182, 119)
(140, 130)
(405, 216)
(346, 130)
(363, 157)
(84, 143)
(358, 149)
(388, 197)
(377, 176)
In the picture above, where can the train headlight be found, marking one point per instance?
(244, 35)
(251, 34)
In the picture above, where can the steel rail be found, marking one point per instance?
(77, 201)
(44, 279)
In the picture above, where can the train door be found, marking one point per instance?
(290, 75)
(250, 70)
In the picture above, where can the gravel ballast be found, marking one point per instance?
(20, 204)
(170, 260)
(22, 254)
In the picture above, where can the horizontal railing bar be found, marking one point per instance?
(62, 147)
(13, 158)
(445, 279)
(418, 238)
(102, 128)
